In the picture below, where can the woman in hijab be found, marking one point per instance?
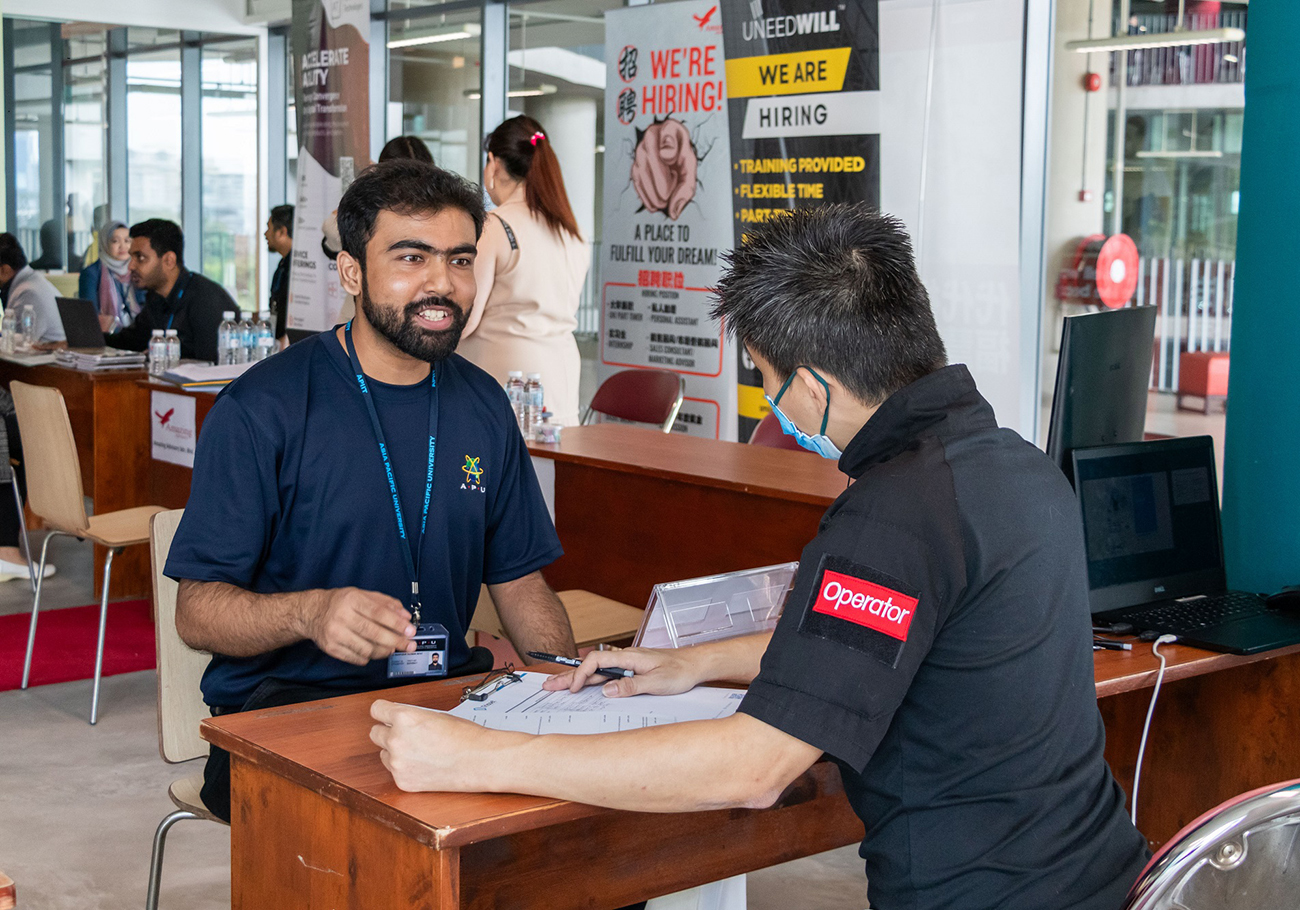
(106, 281)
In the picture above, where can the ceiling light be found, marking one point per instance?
(455, 33)
(1180, 38)
(543, 89)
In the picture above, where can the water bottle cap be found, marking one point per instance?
(157, 333)
(537, 376)
(172, 333)
(516, 374)
(228, 315)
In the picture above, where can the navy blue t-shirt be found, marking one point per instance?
(290, 494)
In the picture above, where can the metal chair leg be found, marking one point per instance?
(36, 606)
(23, 543)
(159, 843)
(103, 621)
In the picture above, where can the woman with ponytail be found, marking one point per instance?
(532, 262)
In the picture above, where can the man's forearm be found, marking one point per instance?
(734, 762)
(225, 619)
(533, 616)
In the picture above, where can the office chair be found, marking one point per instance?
(640, 396)
(55, 494)
(180, 705)
(1242, 853)
(769, 433)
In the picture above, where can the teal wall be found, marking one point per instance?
(1261, 484)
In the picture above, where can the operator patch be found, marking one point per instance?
(860, 607)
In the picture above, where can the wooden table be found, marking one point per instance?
(317, 822)
(1224, 724)
(169, 484)
(635, 507)
(107, 411)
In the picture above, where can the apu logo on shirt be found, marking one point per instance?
(861, 608)
(866, 604)
(473, 474)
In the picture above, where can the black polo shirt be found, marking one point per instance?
(193, 308)
(937, 645)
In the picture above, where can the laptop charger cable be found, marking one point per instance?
(1151, 710)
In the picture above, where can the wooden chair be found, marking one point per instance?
(769, 433)
(55, 494)
(640, 396)
(180, 704)
(595, 619)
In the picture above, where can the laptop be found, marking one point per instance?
(80, 322)
(1155, 548)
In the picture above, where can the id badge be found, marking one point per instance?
(429, 657)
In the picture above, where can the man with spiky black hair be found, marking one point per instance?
(936, 643)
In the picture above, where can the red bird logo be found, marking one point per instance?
(704, 20)
(164, 418)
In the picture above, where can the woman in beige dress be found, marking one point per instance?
(531, 265)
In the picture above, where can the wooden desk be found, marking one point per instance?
(635, 507)
(318, 822)
(169, 484)
(108, 416)
(1224, 724)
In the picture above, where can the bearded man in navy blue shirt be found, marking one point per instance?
(364, 481)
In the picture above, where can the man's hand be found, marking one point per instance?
(359, 626)
(107, 322)
(657, 673)
(426, 750)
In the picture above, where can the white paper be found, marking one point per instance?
(526, 707)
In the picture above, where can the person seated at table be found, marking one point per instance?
(176, 298)
(935, 644)
(21, 285)
(107, 280)
(320, 528)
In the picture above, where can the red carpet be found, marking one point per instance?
(65, 643)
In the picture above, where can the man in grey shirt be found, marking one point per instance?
(21, 284)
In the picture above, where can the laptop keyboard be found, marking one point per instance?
(1182, 617)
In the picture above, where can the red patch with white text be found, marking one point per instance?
(866, 604)
(861, 608)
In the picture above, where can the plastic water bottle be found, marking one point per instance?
(264, 337)
(157, 353)
(533, 402)
(172, 348)
(247, 337)
(27, 319)
(9, 330)
(515, 392)
(226, 339)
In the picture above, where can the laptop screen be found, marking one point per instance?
(1150, 521)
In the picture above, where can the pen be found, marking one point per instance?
(612, 672)
(1106, 644)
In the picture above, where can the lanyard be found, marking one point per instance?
(412, 564)
(180, 292)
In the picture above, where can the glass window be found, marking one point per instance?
(433, 85)
(85, 139)
(230, 228)
(557, 76)
(153, 125)
(40, 214)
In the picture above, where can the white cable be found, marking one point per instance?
(1151, 709)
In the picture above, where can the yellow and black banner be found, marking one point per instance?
(803, 80)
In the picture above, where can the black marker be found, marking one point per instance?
(611, 672)
(1105, 644)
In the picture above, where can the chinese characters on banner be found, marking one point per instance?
(803, 82)
(331, 85)
(667, 207)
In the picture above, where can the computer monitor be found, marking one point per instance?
(1101, 381)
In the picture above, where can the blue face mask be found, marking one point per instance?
(821, 443)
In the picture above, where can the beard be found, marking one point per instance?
(399, 327)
